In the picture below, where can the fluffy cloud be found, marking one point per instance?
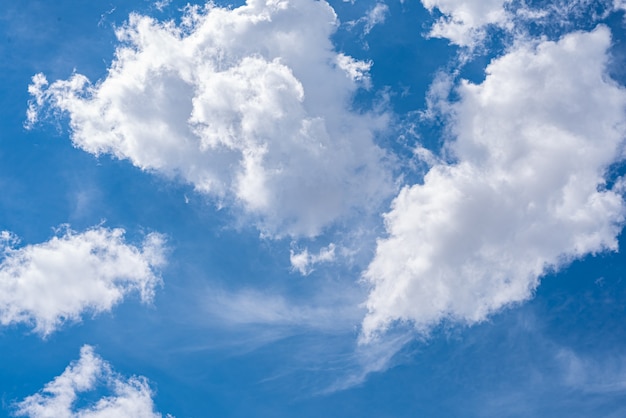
(463, 21)
(59, 280)
(130, 398)
(251, 105)
(526, 195)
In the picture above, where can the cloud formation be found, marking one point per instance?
(48, 284)
(304, 261)
(251, 105)
(329, 312)
(526, 194)
(463, 21)
(130, 398)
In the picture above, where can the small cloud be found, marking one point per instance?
(374, 16)
(55, 282)
(162, 4)
(303, 261)
(129, 397)
(356, 70)
(463, 22)
(104, 16)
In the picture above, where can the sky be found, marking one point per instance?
(280, 208)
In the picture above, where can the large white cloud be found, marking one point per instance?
(251, 105)
(59, 280)
(526, 195)
(130, 397)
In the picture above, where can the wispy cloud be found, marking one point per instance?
(376, 15)
(265, 309)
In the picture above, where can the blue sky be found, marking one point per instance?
(296, 208)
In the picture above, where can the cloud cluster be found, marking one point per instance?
(525, 195)
(130, 398)
(463, 21)
(251, 105)
(59, 280)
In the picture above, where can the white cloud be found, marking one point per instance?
(303, 261)
(162, 4)
(59, 280)
(356, 70)
(562, 13)
(250, 105)
(463, 21)
(331, 310)
(130, 398)
(525, 196)
(375, 16)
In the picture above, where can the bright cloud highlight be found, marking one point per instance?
(130, 397)
(526, 195)
(251, 105)
(58, 281)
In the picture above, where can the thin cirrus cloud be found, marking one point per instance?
(251, 106)
(129, 398)
(48, 284)
(526, 194)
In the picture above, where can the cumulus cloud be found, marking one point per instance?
(130, 397)
(526, 194)
(463, 21)
(48, 284)
(304, 261)
(251, 105)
